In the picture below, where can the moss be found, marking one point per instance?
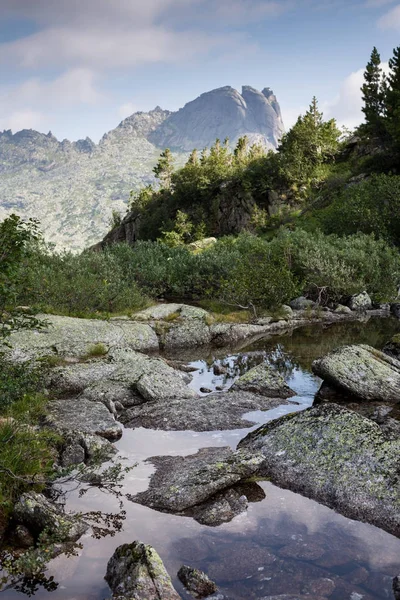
(98, 349)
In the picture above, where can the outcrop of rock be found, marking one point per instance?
(136, 572)
(222, 113)
(182, 482)
(336, 457)
(196, 582)
(264, 380)
(38, 514)
(83, 416)
(72, 188)
(362, 371)
(392, 348)
(360, 302)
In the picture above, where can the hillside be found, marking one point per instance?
(73, 187)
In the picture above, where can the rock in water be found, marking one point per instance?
(392, 348)
(196, 582)
(264, 380)
(37, 513)
(360, 302)
(362, 371)
(336, 457)
(301, 303)
(184, 481)
(136, 572)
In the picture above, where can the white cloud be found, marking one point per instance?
(22, 119)
(126, 110)
(391, 20)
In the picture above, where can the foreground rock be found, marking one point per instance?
(362, 371)
(83, 416)
(392, 348)
(336, 457)
(264, 380)
(136, 572)
(219, 411)
(38, 514)
(360, 302)
(182, 482)
(196, 582)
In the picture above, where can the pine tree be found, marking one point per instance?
(193, 158)
(392, 97)
(373, 96)
(164, 168)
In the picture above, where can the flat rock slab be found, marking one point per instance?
(214, 412)
(75, 337)
(83, 416)
(264, 380)
(336, 457)
(136, 572)
(182, 482)
(164, 311)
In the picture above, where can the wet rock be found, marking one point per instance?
(392, 348)
(136, 572)
(361, 371)
(242, 560)
(97, 448)
(264, 380)
(342, 310)
(313, 452)
(396, 587)
(360, 302)
(73, 454)
(208, 413)
(182, 482)
(226, 334)
(302, 550)
(323, 586)
(37, 513)
(226, 505)
(196, 582)
(205, 390)
(395, 309)
(219, 370)
(301, 303)
(84, 416)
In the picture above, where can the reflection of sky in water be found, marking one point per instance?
(283, 544)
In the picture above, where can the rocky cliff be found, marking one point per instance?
(73, 187)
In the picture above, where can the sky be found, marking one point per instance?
(77, 67)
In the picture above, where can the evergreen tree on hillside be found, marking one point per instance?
(392, 97)
(164, 169)
(373, 96)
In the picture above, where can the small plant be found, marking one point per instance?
(96, 350)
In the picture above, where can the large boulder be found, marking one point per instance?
(264, 380)
(360, 302)
(181, 482)
(83, 416)
(38, 514)
(336, 457)
(362, 371)
(136, 572)
(219, 411)
(196, 582)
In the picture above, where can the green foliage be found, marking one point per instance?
(164, 168)
(17, 380)
(16, 237)
(89, 284)
(392, 98)
(373, 96)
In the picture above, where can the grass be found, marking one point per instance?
(96, 350)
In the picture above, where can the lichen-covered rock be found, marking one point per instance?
(360, 302)
(196, 582)
(202, 244)
(38, 514)
(301, 303)
(219, 411)
(189, 334)
(342, 310)
(136, 572)
(226, 334)
(362, 371)
(84, 416)
(336, 457)
(181, 482)
(392, 348)
(166, 311)
(264, 380)
(73, 454)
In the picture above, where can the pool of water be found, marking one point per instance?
(284, 543)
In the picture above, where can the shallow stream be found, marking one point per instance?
(284, 543)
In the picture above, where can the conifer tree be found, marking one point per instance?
(373, 96)
(392, 97)
(164, 168)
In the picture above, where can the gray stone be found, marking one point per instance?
(208, 413)
(73, 454)
(392, 348)
(360, 302)
(196, 582)
(189, 334)
(362, 371)
(21, 537)
(313, 452)
(38, 514)
(202, 244)
(301, 303)
(226, 334)
(136, 572)
(342, 310)
(182, 482)
(396, 587)
(83, 416)
(264, 380)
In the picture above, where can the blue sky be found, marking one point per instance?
(77, 67)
